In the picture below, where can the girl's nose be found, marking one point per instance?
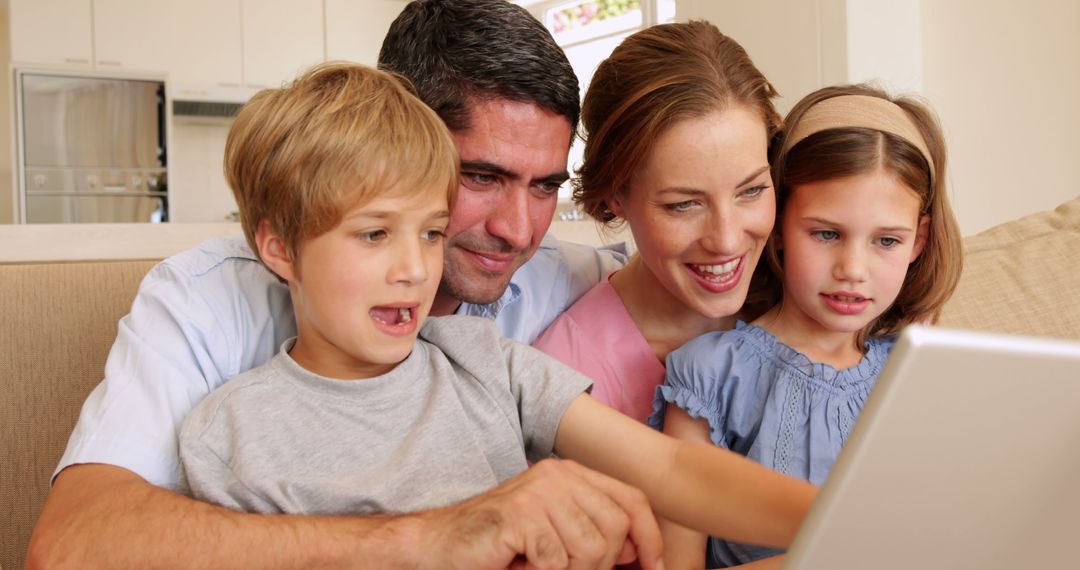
(851, 266)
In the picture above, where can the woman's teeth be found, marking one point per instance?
(717, 272)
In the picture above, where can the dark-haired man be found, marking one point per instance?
(510, 98)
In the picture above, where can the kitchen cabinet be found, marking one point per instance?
(206, 43)
(52, 32)
(355, 30)
(280, 39)
(131, 35)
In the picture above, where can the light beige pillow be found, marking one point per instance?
(1022, 277)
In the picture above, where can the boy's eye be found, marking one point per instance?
(373, 235)
(432, 235)
(826, 235)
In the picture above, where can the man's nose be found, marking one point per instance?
(510, 218)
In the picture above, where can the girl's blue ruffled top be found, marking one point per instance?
(768, 401)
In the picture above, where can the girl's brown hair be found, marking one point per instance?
(843, 152)
(656, 77)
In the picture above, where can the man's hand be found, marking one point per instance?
(558, 514)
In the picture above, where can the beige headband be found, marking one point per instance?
(863, 111)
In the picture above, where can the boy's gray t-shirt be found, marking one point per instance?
(464, 412)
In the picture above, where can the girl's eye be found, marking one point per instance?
(888, 242)
(373, 236)
(679, 206)
(826, 235)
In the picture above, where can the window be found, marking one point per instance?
(588, 30)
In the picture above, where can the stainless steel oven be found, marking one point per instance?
(91, 149)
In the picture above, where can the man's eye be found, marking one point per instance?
(480, 178)
(826, 235)
(550, 188)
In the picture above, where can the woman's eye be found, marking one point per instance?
(755, 191)
(679, 206)
(826, 235)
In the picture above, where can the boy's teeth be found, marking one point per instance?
(404, 315)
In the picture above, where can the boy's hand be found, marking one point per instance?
(558, 514)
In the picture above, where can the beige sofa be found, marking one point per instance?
(65, 287)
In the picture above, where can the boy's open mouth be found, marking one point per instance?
(392, 315)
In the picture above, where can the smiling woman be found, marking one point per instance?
(656, 126)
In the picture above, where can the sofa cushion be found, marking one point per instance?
(1021, 277)
(59, 320)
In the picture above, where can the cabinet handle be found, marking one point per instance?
(110, 62)
(226, 84)
(76, 60)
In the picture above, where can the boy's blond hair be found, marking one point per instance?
(302, 155)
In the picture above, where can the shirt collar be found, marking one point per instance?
(491, 310)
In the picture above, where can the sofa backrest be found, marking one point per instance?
(62, 292)
(58, 324)
(1022, 277)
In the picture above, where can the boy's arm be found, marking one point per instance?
(102, 516)
(683, 547)
(697, 485)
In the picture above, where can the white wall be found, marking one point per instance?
(8, 212)
(1003, 76)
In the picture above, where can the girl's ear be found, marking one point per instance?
(922, 233)
(273, 252)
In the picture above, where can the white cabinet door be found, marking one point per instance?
(51, 32)
(205, 36)
(281, 39)
(355, 28)
(131, 35)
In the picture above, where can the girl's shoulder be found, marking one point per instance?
(745, 347)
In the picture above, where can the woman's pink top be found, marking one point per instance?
(597, 337)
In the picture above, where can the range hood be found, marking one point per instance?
(192, 100)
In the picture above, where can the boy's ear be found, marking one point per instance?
(922, 233)
(273, 252)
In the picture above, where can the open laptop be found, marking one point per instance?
(967, 455)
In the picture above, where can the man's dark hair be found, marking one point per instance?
(454, 50)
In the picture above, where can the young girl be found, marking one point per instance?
(865, 244)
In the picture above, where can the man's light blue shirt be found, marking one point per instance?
(214, 311)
